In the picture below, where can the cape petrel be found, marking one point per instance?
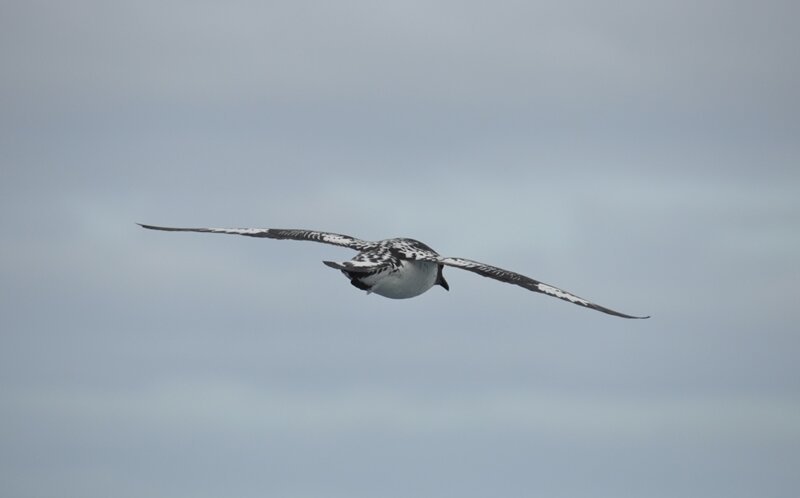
(399, 268)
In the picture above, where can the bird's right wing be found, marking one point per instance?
(279, 233)
(526, 282)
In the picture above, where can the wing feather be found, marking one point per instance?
(279, 233)
(359, 266)
(525, 282)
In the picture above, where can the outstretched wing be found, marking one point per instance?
(526, 282)
(279, 233)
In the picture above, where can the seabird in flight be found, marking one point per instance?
(399, 268)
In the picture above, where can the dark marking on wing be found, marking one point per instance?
(511, 277)
(279, 233)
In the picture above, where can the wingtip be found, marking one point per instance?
(152, 227)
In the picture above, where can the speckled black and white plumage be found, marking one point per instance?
(399, 268)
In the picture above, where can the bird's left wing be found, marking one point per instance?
(279, 233)
(523, 281)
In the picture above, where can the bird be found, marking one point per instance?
(399, 268)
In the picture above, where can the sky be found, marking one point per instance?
(643, 155)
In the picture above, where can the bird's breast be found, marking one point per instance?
(411, 279)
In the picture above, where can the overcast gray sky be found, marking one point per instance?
(642, 155)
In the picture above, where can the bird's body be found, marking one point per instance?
(409, 279)
(399, 268)
(385, 270)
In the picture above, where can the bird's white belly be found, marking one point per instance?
(412, 279)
